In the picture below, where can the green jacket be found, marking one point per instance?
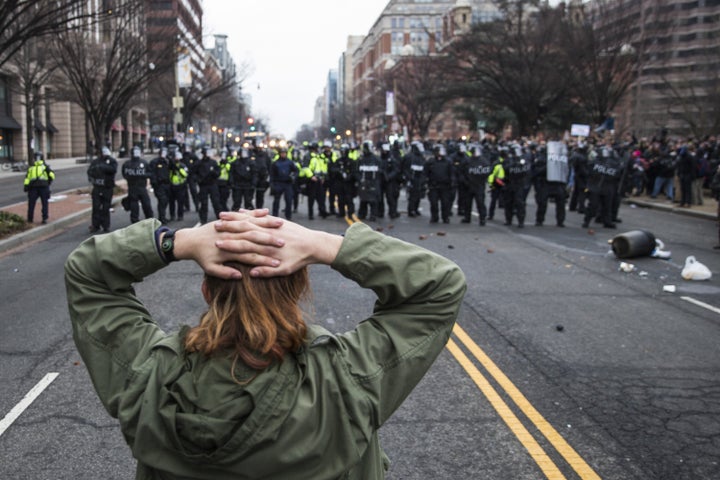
(314, 416)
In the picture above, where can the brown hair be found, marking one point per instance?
(257, 320)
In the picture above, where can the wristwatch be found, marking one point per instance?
(167, 244)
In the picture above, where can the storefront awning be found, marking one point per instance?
(9, 123)
(39, 127)
(51, 128)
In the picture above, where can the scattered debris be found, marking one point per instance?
(591, 231)
(695, 270)
(441, 234)
(559, 328)
(669, 288)
(379, 229)
(450, 247)
(490, 250)
(643, 274)
(627, 267)
(423, 237)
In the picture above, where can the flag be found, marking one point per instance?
(184, 74)
(389, 103)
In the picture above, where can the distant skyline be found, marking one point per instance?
(290, 46)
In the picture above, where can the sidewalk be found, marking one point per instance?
(66, 209)
(708, 210)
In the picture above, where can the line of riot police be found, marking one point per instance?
(332, 179)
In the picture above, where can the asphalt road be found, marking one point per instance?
(562, 365)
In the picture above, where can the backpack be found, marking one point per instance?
(702, 166)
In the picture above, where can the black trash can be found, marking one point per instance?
(636, 243)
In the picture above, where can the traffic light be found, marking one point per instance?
(250, 120)
(333, 130)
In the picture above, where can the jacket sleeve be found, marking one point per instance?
(112, 329)
(419, 295)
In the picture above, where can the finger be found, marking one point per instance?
(266, 222)
(239, 246)
(257, 260)
(268, 272)
(221, 271)
(249, 224)
(249, 240)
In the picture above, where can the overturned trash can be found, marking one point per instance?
(635, 243)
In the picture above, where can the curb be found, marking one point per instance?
(689, 212)
(47, 230)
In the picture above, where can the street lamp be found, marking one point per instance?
(212, 137)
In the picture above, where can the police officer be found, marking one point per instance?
(37, 183)
(316, 172)
(459, 158)
(496, 181)
(227, 158)
(603, 180)
(207, 171)
(243, 176)
(160, 182)
(547, 187)
(579, 165)
(369, 172)
(333, 185)
(101, 174)
(262, 170)
(475, 173)
(190, 159)
(283, 172)
(414, 175)
(393, 174)
(517, 175)
(178, 186)
(137, 172)
(441, 179)
(347, 183)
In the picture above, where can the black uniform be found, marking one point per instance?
(283, 172)
(101, 174)
(369, 172)
(190, 159)
(459, 159)
(347, 184)
(603, 181)
(262, 180)
(441, 180)
(545, 189)
(474, 174)
(136, 172)
(160, 181)
(414, 168)
(517, 176)
(393, 174)
(206, 172)
(243, 176)
(579, 165)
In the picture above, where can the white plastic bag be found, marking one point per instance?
(695, 270)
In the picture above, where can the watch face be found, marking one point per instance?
(166, 245)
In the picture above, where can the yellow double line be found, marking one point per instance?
(545, 463)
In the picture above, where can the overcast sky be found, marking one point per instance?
(290, 45)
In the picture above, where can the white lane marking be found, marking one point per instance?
(702, 304)
(26, 401)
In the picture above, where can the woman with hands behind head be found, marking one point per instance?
(251, 391)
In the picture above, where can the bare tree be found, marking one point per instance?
(23, 20)
(599, 57)
(33, 66)
(512, 64)
(109, 64)
(418, 82)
